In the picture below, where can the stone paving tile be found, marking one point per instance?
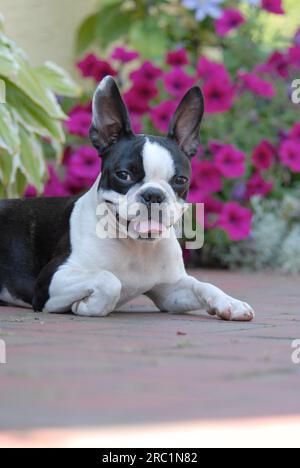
(141, 367)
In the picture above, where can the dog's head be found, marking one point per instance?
(142, 172)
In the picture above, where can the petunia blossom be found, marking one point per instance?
(231, 162)
(290, 154)
(218, 95)
(161, 115)
(236, 221)
(230, 20)
(264, 155)
(178, 82)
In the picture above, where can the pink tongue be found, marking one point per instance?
(148, 227)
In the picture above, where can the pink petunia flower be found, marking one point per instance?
(30, 192)
(277, 64)
(86, 65)
(135, 105)
(219, 96)
(54, 186)
(103, 69)
(273, 6)
(144, 90)
(79, 123)
(257, 85)
(161, 115)
(215, 146)
(230, 20)
(264, 155)
(178, 82)
(206, 176)
(294, 56)
(290, 154)
(231, 162)
(212, 211)
(147, 71)
(92, 67)
(236, 221)
(177, 58)
(83, 169)
(206, 69)
(121, 54)
(257, 185)
(295, 132)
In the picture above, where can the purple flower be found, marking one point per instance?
(92, 67)
(83, 168)
(257, 85)
(231, 19)
(236, 221)
(177, 58)
(230, 162)
(290, 154)
(257, 185)
(178, 82)
(218, 95)
(264, 155)
(277, 63)
(79, 123)
(135, 105)
(123, 55)
(54, 186)
(273, 6)
(147, 71)
(161, 115)
(207, 69)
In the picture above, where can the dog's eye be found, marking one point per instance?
(180, 180)
(125, 176)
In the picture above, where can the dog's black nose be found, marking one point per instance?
(152, 196)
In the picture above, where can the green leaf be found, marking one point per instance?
(32, 117)
(6, 168)
(147, 37)
(58, 80)
(9, 135)
(32, 159)
(112, 24)
(86, 34)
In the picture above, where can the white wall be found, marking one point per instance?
(45, 29)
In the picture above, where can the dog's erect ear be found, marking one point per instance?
(110, 116)
(185, 124)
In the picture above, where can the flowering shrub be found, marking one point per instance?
(250, 137)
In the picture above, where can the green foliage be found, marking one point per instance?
(30, 118)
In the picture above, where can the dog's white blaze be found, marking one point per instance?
(158, 162)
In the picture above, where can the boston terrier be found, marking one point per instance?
(52, 257)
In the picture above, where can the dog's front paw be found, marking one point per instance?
(227, 308)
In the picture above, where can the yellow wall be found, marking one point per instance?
(45, 29)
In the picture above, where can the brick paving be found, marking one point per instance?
(143, 367)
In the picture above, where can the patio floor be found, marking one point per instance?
(148, 369)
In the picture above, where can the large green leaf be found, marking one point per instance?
(147, 37)
(32, 117)
(86, 34)
(112, 23)
(9, 135)
(58, 80)
(32, 162)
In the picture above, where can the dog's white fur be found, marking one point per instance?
(104, 274)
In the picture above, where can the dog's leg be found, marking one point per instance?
(83, 294)
(190, 295)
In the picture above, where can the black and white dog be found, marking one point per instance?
(51, 257)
